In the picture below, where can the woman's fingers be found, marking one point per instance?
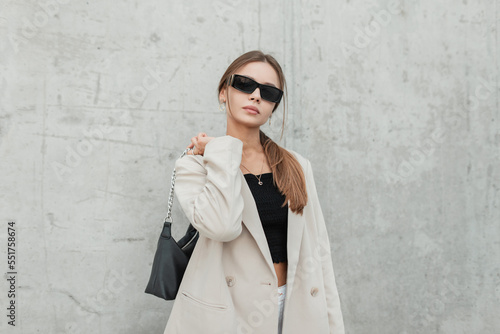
(193, 145)
(196, 144)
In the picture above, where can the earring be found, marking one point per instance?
(270, 120)
(222, 107)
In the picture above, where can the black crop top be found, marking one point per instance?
(274, 218)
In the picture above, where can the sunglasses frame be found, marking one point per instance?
(258, 85)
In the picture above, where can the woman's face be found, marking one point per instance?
(241, 105)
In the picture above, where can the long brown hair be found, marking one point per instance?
(288, 175)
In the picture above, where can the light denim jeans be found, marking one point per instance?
(281, 301)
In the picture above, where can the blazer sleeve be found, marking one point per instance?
(208, 188)
(332, 296)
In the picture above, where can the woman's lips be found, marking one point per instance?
(252, 110)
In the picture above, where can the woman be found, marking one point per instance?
(262, 263)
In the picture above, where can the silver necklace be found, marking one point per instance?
(261, 169)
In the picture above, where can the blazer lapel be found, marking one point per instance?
(252, 221)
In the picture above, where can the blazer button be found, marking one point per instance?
(230, 280)
(314, 291)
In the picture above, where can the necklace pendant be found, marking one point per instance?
(260, 183)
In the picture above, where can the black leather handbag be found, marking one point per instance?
(171, 257)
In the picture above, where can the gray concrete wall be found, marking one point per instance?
(394, 102)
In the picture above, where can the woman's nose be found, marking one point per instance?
(255, 94)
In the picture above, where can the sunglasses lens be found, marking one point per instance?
(246, 85)
(271, 94)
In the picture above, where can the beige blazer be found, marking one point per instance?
(230, 285)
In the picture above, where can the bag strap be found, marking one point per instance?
(168, 218)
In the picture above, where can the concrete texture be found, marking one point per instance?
(394, 102)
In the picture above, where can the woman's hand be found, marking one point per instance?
(198, 143)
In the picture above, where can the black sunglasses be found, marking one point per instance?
(247, 85)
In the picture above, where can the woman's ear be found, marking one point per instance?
(222, 96)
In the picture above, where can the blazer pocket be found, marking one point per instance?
(212, 306)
